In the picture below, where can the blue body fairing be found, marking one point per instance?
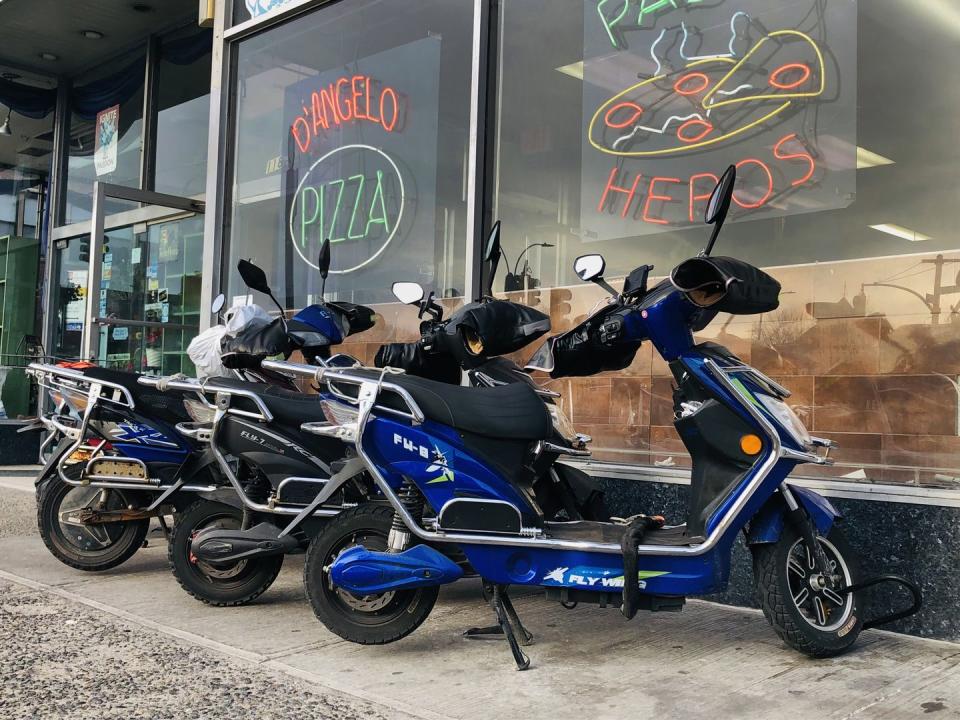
(323, 321)
(767, 525)
(439, 462)
(365, 572)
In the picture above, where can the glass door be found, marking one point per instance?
(143, 282)
(149, 301)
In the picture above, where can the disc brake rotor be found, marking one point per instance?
(361, 603)
(83, 535)
(218, 572)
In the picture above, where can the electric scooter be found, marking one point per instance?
(436, 446)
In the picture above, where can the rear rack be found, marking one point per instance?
(332, 376)
(67, 380)
(223, 394)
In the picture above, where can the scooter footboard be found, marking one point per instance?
(599, 572)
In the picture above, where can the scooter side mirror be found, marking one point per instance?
(719, 204)
(217, 305)
(253, 277)
(409, 293)
(491, 259)
(323, 262)
(589, 267)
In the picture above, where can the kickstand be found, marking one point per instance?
(163, 526)
(508, 626)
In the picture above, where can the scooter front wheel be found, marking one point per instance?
(366, 619)
(807, 614)
(226, 585)
(89, 547)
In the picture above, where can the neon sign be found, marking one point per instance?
(354, 99)
(366, 206)
(797, 168)
(653, 118)
(646, 7)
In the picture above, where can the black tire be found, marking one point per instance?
(371, 619)
(780, 585)
(89, 548)
(222, 586)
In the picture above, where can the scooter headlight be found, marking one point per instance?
(786, 417)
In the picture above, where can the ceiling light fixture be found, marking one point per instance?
(901, 232)
(141, 8)
(10, 75)
(5, 128)
(49, 56)
(868, 159)
(92, 34)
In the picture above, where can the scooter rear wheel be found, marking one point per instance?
(226, 585)
(90, 548)
(813, 620)
(369, 619)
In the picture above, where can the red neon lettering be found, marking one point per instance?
(319, 116)
(795, 156)
(631, 193)
(370, 117)
(685, 81)
(328, 98)
(396, 109)
(763, 200)
(632, 118)
(651, 196)
(705, 124)
(356, 97)
(302, 143)
(785, 69)
(348, 115)
(693, 196)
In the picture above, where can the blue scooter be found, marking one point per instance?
(436, 453)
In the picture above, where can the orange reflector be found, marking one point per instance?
(751, 444)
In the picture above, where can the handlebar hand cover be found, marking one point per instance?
(596, 345)
(414, 360)
(502, 326)
(259, 340)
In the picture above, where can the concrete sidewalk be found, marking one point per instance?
(709, 661)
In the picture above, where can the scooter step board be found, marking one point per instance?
(591, 531)
(653, 603)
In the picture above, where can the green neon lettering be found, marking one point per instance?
(608, 24)
(356, 204)
(382, 220)
(652, 8)
(336, 212)
(317, 210)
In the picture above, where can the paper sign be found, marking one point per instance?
(105, 146)
(121, 333)
(135, 256)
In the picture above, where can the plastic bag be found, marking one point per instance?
(205, 353)
(239, 317)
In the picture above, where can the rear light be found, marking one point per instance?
(74, 399)
(338, 413)
(198, 411)
(85, 452)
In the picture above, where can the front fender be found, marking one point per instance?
(767, 525)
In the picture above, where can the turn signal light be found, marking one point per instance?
(751, 444)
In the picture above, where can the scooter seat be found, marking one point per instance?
(512, 412)
(167, 407)
(288, 407)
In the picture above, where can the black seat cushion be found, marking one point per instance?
(165, 406)
(289, 407)
(506, 411)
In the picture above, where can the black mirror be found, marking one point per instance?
(217, 305)
(324, 260)
(719, 204)
(589, 267)
(253, 277)
(409, 293)
(491, 258)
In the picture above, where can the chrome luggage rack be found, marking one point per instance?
(202, 389)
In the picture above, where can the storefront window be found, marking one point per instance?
(352, 124)
(105, 135)
(70, 297)
(24, 174)
(616, 115)
(183, 99)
